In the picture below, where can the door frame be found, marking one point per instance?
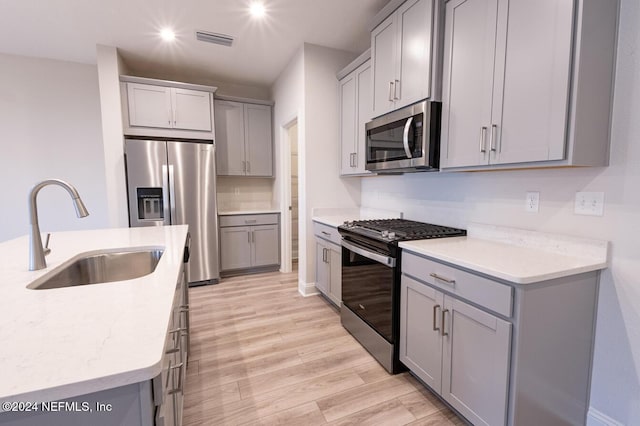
(285, 192)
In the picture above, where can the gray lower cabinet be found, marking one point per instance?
(155, 402)
(328, 262)
(460, 342)
(249, 243)
(498, 352)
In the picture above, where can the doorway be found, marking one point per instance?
(293, 207)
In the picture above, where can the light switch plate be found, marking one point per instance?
(532, 204)
(589, 203)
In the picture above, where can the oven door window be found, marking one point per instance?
(387, 143)
(367, 289)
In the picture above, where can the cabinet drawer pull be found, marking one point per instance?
(177, 330)
(444, 333)
(391, 91)
(439, 278)
(250, 220)
(435, 308)
(494, 137)
(328, 234)
(483, 139)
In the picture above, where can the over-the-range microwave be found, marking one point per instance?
(406, 140)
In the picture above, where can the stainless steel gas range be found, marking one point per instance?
(371, 273)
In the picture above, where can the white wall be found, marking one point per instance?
(307, 90)
(110, 66)
(319, 180)
(498, 198)
(288, 94)
(50, 122)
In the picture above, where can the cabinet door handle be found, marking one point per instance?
(483, 137)
(439, 278)
(178, 389)
(494, 137)
(396, 88)
(391, 91)
(253, 236)
(355, 159)
(444, 333)
(249, 237)
(435, 308)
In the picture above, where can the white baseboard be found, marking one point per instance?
(307, 289)
(597, 418)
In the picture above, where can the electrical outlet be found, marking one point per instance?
(589, 203)
(532, 202)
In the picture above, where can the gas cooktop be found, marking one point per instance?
(394, 230)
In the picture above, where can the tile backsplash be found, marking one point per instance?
(241, 193)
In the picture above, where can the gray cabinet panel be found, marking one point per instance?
(322, 270)
(534, 82)
(258, 136)
(244, 139)
(265, 241)
(470, 36)
(348, 122)
(230, 128)
(383, 57)
(421, 331)
(252, 246)
(235, 243)
(475, 367)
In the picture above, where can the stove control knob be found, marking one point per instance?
(392, 235)
(384, 234)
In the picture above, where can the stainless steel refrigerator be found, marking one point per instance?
(174, 183)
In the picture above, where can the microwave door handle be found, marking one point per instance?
(405, 137)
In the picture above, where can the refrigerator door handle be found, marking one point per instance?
(172, 195)
(165, 196)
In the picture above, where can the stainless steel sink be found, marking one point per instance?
(102, 267)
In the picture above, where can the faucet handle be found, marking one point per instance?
(47, 250)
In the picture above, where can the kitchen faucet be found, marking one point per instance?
(36, 251)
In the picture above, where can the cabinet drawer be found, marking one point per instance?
(249, 219)
(327, 232)
(485, 292)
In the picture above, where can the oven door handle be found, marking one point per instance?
(385, 260)
(405, 137)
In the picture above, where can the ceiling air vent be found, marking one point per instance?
(221, 39)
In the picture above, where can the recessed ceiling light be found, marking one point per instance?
(257, 9)
(167, 34)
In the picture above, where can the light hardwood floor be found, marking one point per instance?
(261, 354)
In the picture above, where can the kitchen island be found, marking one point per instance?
(66, 343)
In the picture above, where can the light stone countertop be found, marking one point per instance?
(515, 255)
(336, 217)
(66, 342)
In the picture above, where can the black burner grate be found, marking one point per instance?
(409, 229)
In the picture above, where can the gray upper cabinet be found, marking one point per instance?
(243, 139)
(168, 107)
(401, 54)
(354, 92)
(542, 76)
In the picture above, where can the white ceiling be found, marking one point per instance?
(70, 29)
